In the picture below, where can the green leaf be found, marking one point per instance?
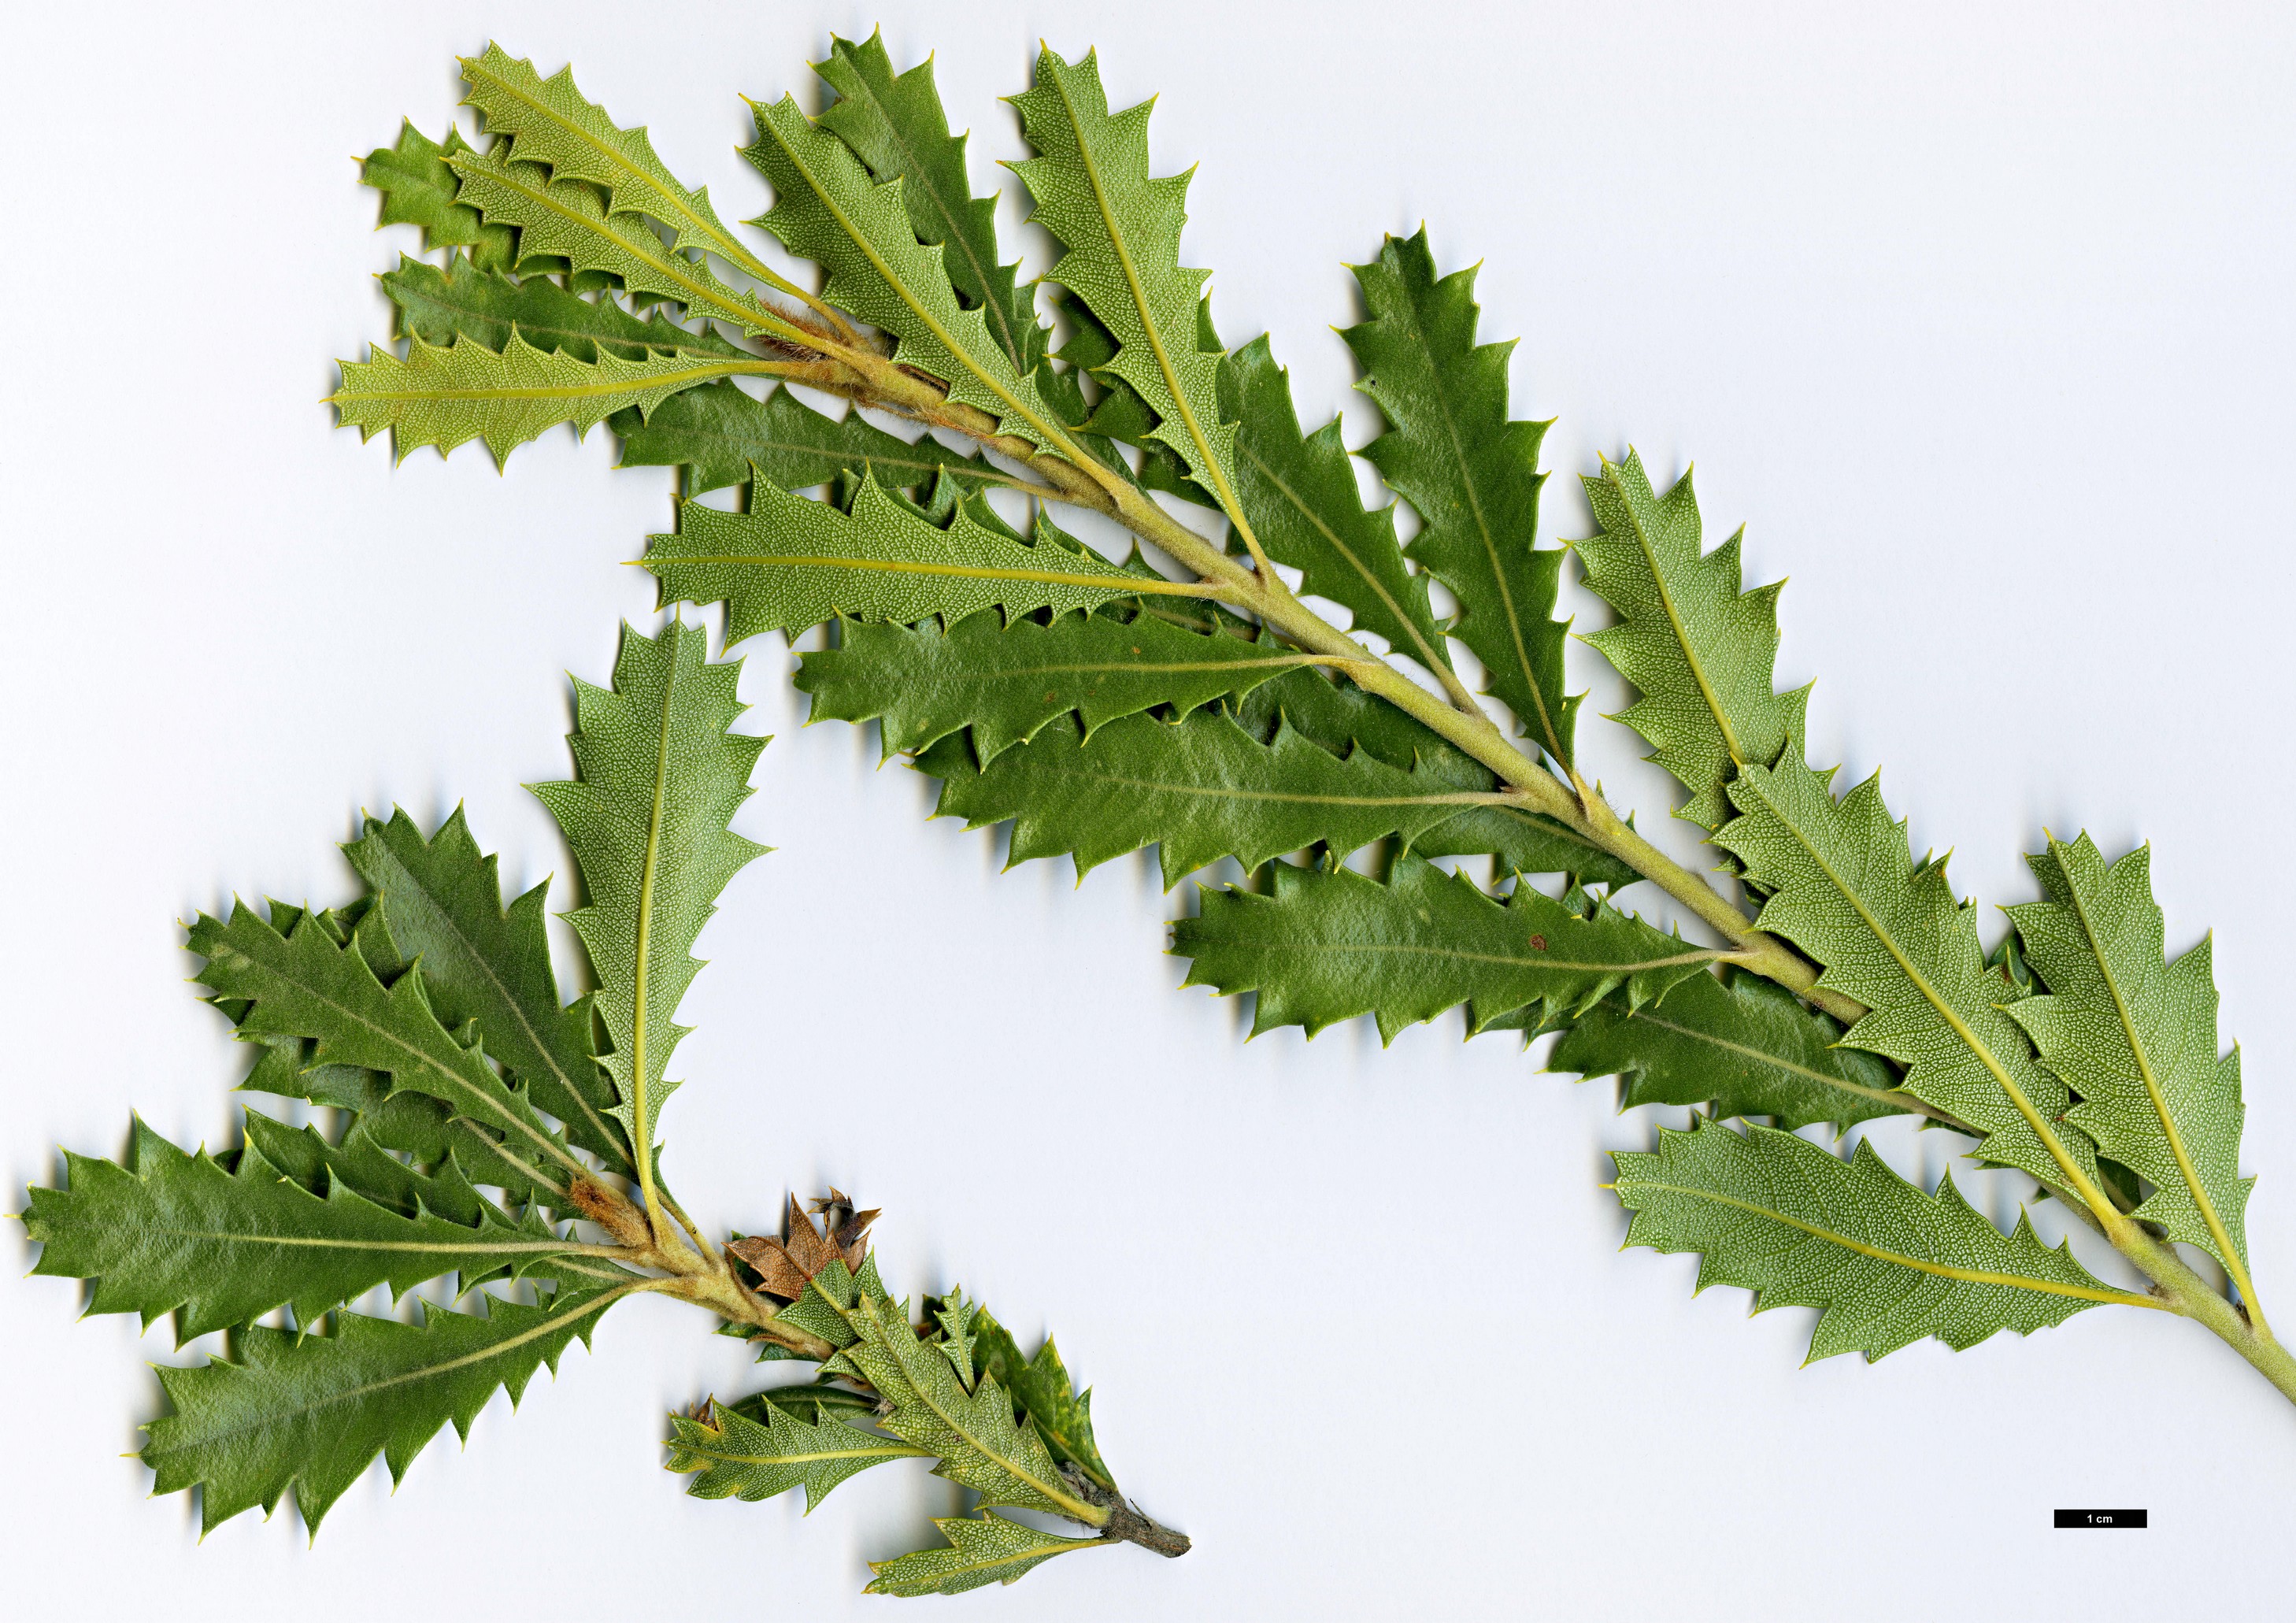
(660, 779)
(361, 1163)
(788, 563)
(312, 1411)
(1329, 945)
(979, 1444)
(1802, 1228)
(982, 1550)
(1121, 229)
(565, 218)
(726, 438)
(1845, 889)
(1201, 790)
(1473, 475)
(554, 125)
(303, 984)
(1005, 681)
(418, 189)
(462, 301)
(1700, 651)
(1742, 1045)
(827, 209)
(442, 901)
(1341, 717)
(2135, 1036)
(812, 1400)
(1302, 496)
(172, 1232)
(741, 1458)
(445, 396)
(1041, 1387)
(895, 125)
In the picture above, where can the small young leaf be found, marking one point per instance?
(1802, 1228)
(788, 563)
(1700, 651)
(726, 438)
(418, 188)
(743, 1458)
(1327, 947)
(982, 1550)
(1472, 474)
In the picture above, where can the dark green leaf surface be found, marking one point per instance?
(1299, 493)
(313, 1412)
(418, 189)
(1743, 1046)
(462, 301)
(1040, 1385)
(1470, 472)
(982, 1550)
(360, 1163)
(2135, 1036)
(172, 1232)
(725, 436)
(1329, 945)
(740, 1458)
(1700, 651)
(1888, 1264)
(660, 779)
(1005, 681)
(1201, 790)
(1845, 889)
(788, 563)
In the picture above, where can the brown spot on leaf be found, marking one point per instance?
(1538, 944)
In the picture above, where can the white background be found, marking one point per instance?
(1980, 315)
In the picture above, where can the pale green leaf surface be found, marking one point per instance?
(790, 563)
(2136, 1036)
(1328, 946)
(172, 1232)
(660, 779)
(419, 188)
(1743, 1046)
(1845, 889)
(462, 301)
(1470, 472)
(982, 1550)
(445, 396)
(1005, 682)
(1700, 651)
(726, 438)
(740, 1458)
(313, 1412)
(1887, 1264)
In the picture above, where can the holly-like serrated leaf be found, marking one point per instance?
(811, 1401)
(1888, 1264)
(1300, 495)
(464, 301)
(360, 1163)
(982, 1550)
(554, 124)
(1200, 789)
(418, 188)
(440, 899)
(979, 1444)
(445, 396)
(895, 125)
(1041, 1387)
(312, 1411)
(1121, 229)
(2136, 1036)
(1844, 888)
(1341, 718)
(740, 1458)
(828, 208)
(1007, 682)
(660, 780)
(788, 563)
(565, 218)
(1471, 474)
(1740, 1045)
(171, 1231)
(726, 438)
(1328, 946)
(304, 984)
(1700, 651)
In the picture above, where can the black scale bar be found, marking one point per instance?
(2101, 1519)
